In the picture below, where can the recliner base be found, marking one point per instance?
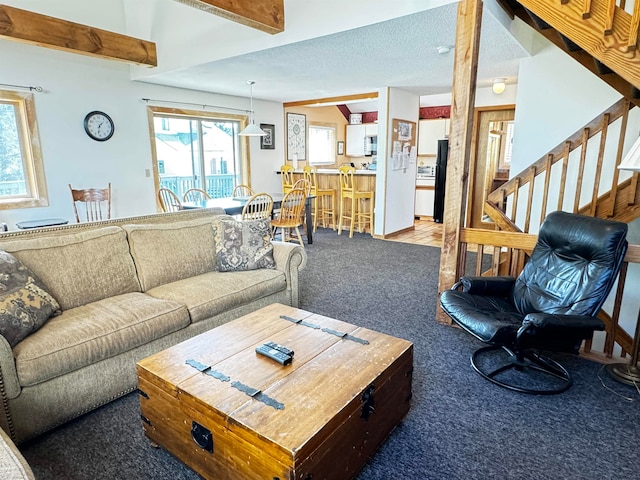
(553, 376)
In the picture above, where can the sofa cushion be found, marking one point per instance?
(243, 245)
(169, 252)
(25, 303)
(90, 333)
(213, 293)
(80, 267)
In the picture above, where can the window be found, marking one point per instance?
(198, 150)
(22, 181)
(322, 144)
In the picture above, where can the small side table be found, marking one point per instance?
(46, 222)
(628, 373)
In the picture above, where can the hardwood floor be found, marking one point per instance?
(427, 232)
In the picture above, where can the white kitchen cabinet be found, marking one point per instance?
(429, 132)
(355, 138)
(424, 201)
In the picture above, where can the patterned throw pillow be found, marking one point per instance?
(242, 245)
(25, 304)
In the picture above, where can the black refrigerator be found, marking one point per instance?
(441, 177)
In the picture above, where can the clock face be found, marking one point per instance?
(99, 126)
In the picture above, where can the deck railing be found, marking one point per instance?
(217, 186)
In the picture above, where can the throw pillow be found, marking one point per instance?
(242, 245)
(25, 304)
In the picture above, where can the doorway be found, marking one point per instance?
(492, 153)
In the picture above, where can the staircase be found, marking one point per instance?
(579, 175)
(603, 37)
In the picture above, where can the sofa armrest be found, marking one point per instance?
(290, 259)
(8, 373)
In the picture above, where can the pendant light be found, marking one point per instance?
(252, 130)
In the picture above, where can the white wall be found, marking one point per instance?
(395, 189)
(75, 85)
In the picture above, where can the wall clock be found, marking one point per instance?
(99, 126)
(296, 136)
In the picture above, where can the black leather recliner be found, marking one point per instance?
(551, 306)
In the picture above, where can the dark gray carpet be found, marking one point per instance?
(459, 425)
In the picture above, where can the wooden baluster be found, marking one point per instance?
(462, 258)
(547, 182)
(610, 336)
(514, 204)
(583, 156)
(633, 187)
(616, 173)
(632, 39)
(495, 263)
(596, 181)
(527, 220)
(586, 9)
(563, 177)
(480, 254)
(608, 21)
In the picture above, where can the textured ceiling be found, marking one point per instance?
(401, 52)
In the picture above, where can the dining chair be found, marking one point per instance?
(91, 204)
(195, 195)
(258, 206)
(242, 190)
(290, 215)
(286, 175)
(169, 201)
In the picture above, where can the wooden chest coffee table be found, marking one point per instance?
(230, 413)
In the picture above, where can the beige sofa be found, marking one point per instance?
(127, 288)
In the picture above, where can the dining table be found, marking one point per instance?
(234, 206)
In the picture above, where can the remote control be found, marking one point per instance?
(273, 354)
(279, 347)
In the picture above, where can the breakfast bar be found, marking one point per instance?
(329, 178)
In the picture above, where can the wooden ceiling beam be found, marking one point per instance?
(265, 15)
(44, 31)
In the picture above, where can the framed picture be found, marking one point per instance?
(340, 147)
(296, 136)
(268, 141)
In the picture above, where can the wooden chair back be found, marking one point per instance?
(347, 181)
(303, 184)
(258, 206)
(309, 174)
(286, 175)
(91, 204)
(242, 191)
(169, 201)
(291, 214)
(195, 195)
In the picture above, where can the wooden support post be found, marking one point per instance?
(462, 105)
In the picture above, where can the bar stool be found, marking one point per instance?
(323, 196)
(286, 174)
(358, 215)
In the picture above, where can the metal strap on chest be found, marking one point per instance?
(343, 335)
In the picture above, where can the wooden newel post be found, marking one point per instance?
(460, 137)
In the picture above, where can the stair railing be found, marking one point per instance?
(588, 147)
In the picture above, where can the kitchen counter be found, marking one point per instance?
(334, 171)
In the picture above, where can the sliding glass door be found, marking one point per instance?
(193, 151)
